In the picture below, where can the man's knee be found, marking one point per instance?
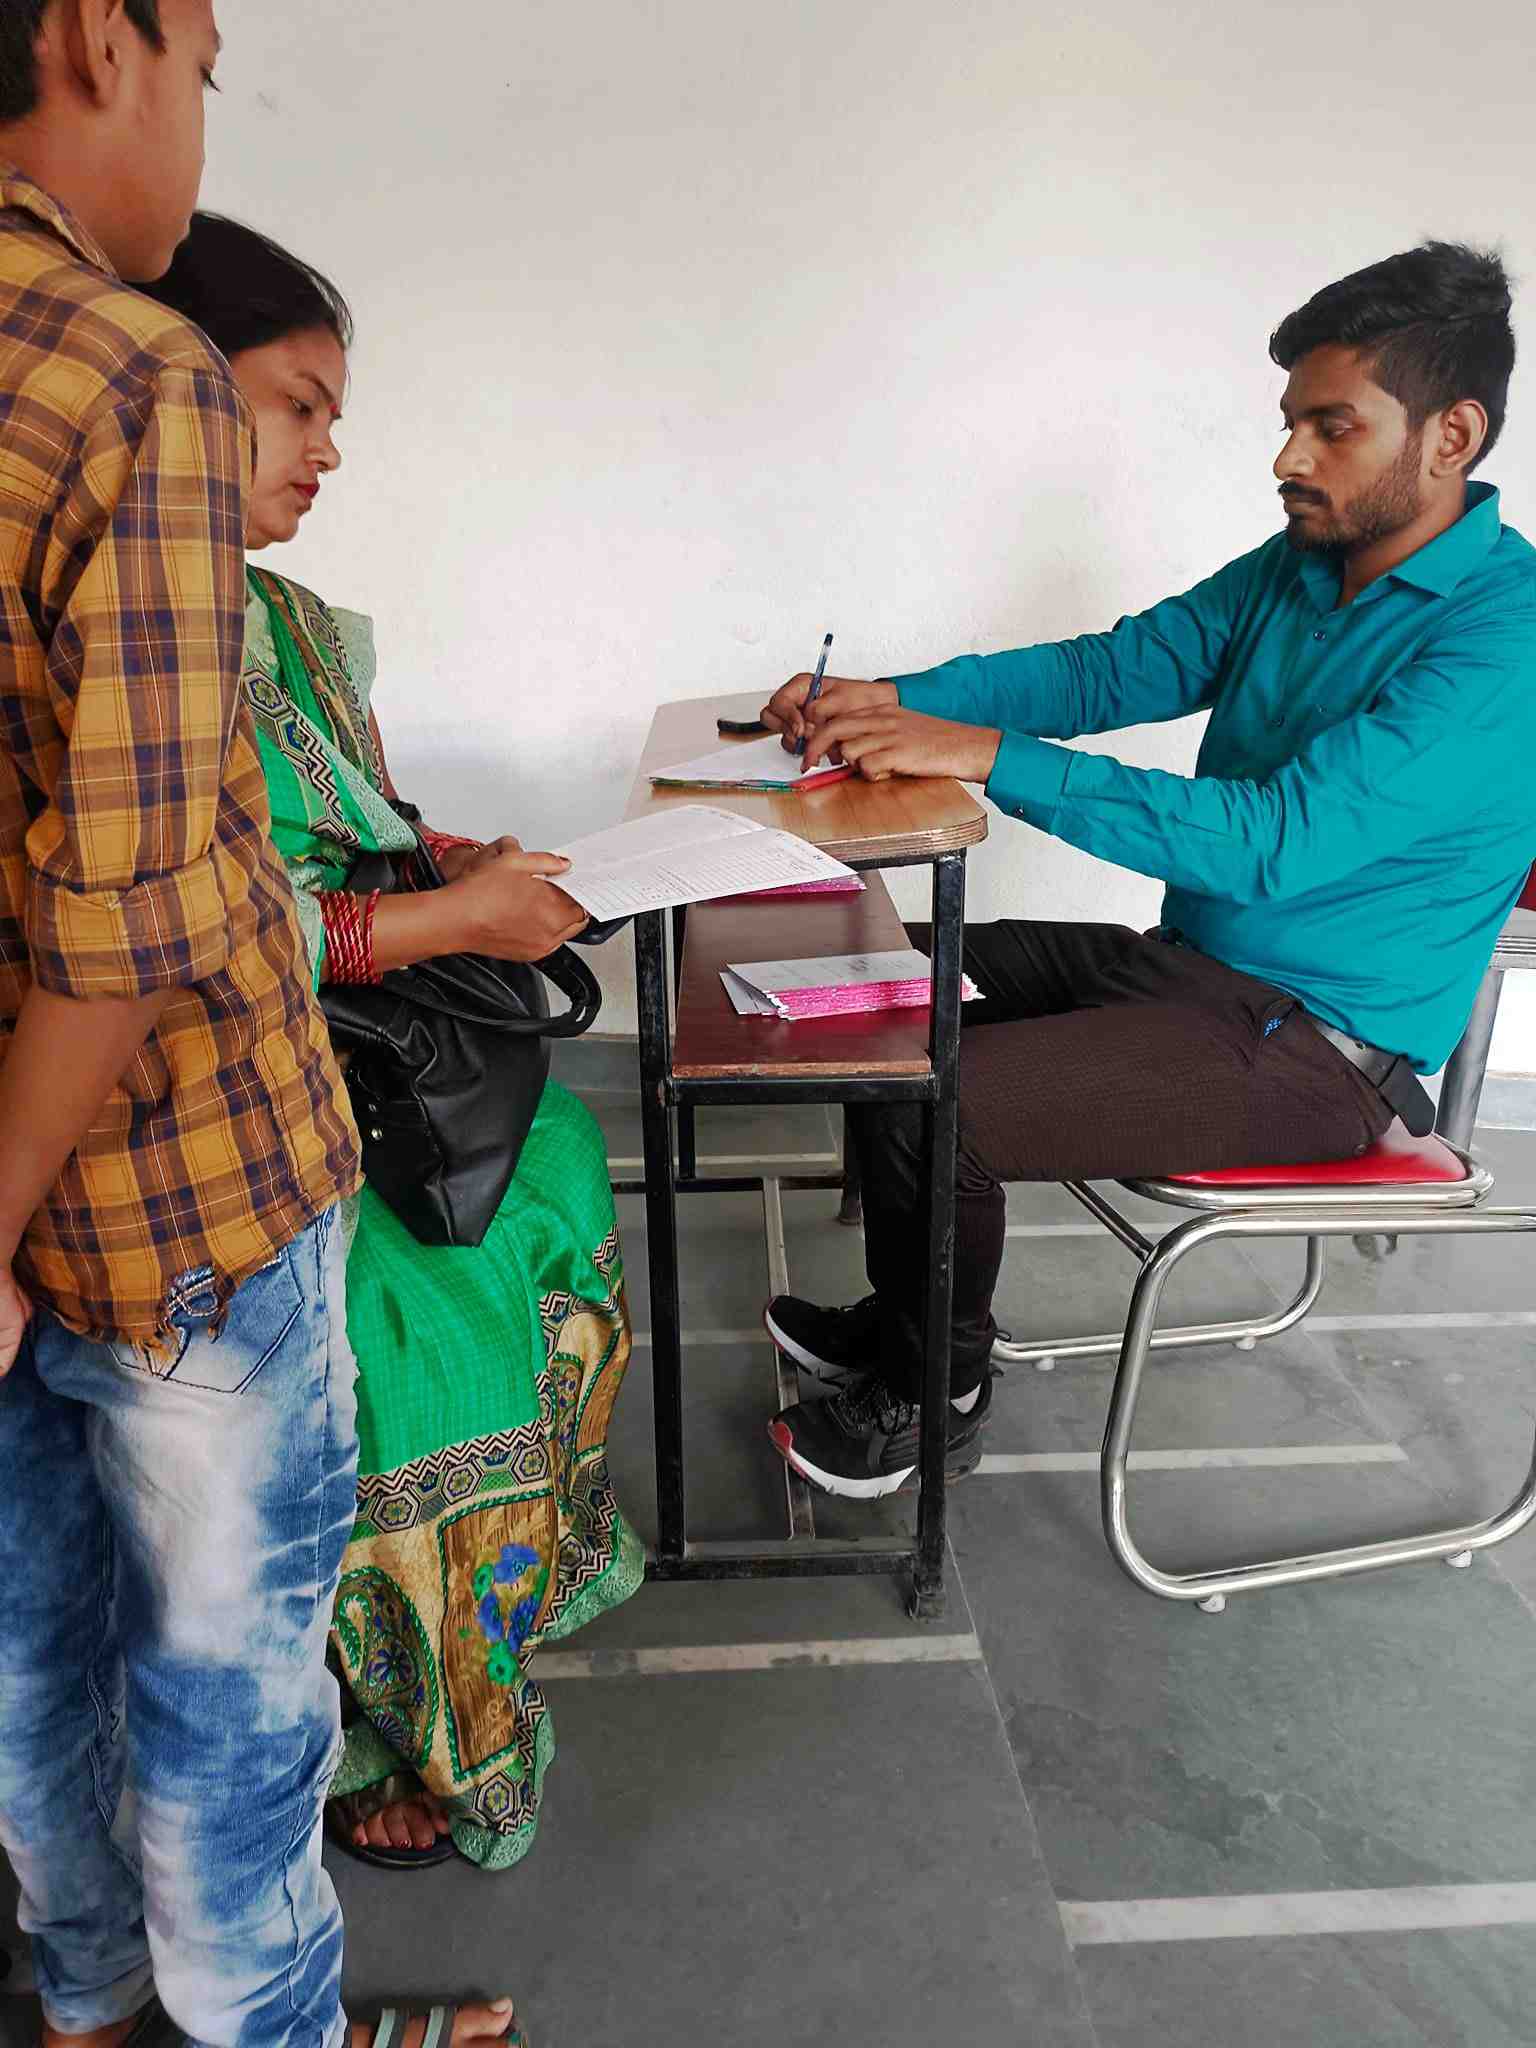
(890, 1143)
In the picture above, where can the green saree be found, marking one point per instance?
(486, 1520)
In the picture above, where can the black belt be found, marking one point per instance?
(1389, 1073)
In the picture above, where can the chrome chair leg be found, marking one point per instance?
(1207, 1588)
(1244, 1332)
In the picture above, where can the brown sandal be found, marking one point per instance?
(344, 1814)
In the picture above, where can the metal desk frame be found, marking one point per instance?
(671, 1170)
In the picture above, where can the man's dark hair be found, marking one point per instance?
(21, 23)
(1433, 321)
(245, 290)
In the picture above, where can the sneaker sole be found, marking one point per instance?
(819, 1368)
(875, 1488)
(883, 1484)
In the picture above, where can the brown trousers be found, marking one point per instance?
(1096, 1054)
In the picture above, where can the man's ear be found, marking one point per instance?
(1457, 438)
(90, 37)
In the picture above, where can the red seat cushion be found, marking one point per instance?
(1399, 1160)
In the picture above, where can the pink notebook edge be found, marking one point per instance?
(830, 885)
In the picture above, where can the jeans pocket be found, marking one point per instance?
(156, 1361)
(219, 1348)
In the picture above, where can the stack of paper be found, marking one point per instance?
(686, 855)
(747, 765)
(834, 885)
(836, 984)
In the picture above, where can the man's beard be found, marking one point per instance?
(1384, 508)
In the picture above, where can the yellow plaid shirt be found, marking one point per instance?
(134, 849)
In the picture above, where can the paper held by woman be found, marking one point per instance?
(686, 855)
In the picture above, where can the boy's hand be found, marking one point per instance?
(15, 1313)
(784, 711)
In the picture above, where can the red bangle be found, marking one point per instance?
(438, 843)
(348, 922)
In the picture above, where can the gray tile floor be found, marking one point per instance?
(1066, 1813)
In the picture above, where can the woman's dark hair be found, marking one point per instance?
(1434, 322)
(244, 290)
(21, 23)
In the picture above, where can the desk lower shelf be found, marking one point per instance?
(711, 1042)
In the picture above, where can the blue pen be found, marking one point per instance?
(815, 690)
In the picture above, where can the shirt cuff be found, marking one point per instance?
(165, 932)
(1029, 778)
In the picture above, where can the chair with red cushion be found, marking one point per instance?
(1403, 1186)
(1462, 1086)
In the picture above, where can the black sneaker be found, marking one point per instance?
(862, 1442)
(830, 1343)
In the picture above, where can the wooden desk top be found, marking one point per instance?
(711, 1042)
(851, 820)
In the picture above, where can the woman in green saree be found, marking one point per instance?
(486, 1376)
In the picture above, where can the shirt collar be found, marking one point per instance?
(1441, 564)
(1437, 567)
(18, 192)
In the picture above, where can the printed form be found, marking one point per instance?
(685, 855)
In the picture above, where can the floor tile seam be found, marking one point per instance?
(1494, 1559)
(635, 1163)
(734, 1658)
(956, 1577)
(1212, 1458)
(1311, 1331)
(1312, 1327)
(1375, 1418)
(1256, 1916)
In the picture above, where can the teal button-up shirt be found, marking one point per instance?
(1362, 814)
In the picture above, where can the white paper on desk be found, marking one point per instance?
(730, 863)
(833, 970)
(748, 761)
(745, 1002)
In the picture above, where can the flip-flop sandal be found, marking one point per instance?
(340, 1831)
(390, 2031)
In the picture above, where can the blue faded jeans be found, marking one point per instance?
(169, 1550)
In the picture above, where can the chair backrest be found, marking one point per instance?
(1528, 898)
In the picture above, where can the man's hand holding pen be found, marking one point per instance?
(864, 725)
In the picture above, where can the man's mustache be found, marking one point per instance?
(1294, 494)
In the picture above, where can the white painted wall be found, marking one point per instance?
(690, 328)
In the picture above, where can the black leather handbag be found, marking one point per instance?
(448, 1060)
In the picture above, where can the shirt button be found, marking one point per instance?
(1319, 635)
(1277, 722)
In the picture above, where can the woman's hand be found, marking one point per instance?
(454, 862)
(508, 906)
(481, 856)
(499, 904)
(784, 711)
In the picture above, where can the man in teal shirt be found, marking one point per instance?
(1361, 819)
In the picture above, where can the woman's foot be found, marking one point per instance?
(471, 2023)
(414, 1823)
